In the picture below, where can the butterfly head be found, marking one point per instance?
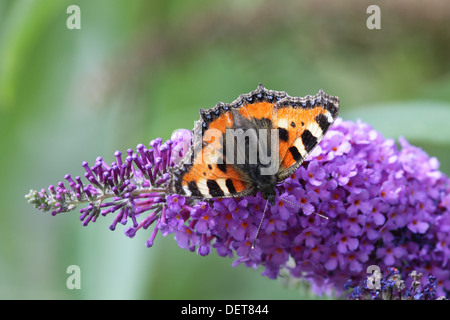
(266, 185)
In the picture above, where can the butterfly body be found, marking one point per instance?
(251, 144)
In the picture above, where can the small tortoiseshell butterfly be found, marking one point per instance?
(230, 142)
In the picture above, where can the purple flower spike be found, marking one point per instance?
(386, 206)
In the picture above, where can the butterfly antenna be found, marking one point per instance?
(260, 224)
(318, 214)
(264, 215)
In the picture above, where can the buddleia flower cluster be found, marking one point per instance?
(386, 206)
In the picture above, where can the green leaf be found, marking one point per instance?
(417, 120)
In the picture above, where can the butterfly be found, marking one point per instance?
(252, 144)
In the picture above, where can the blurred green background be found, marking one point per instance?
(137, 70)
